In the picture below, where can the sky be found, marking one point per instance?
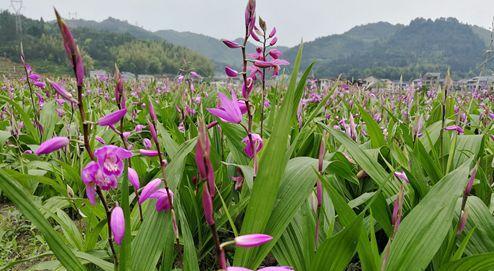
(294, 19)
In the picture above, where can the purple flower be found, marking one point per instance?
(252, 240)
(93, 175)
(246, 89)
(231, 44)
(231, 72)
(272, 33)
(150, 153)
(62, 92)
(455, 128)
(112, 118)
(52, 145)
(276, 268)
(110, 159)
(149, 189)
(207, 205)
(402, 176)
(195, 75)
(100, 140)
(273, 41)
(40, 84)
(147, 143)
(139, 128)
(117, 224)
(152, 131)
(162, 201)
(133, 178)
(228, 110)
(255, 145)
(275, 53)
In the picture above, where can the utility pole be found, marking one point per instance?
(17, 6)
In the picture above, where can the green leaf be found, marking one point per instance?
(31, 211)
(423, 230)
(151, 238)
(373, 130)
(480, 262)
(336, 252)
(271, 167)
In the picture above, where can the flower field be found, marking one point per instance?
(271, 170)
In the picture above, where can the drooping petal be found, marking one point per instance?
(149, 190)
(112, 118)
(149, 153)
(52, 145)
(230, 72)
(231, 44)
(252, 240)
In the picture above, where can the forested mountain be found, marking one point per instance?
(380, 49)
(389, 51)
(101, 49)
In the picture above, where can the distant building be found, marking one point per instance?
(128, 76)
(481, 82)
(431, 78)
(145, 77)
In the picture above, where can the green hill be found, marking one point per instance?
(389, 51)
(102, 49)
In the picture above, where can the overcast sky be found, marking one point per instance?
(294, 19)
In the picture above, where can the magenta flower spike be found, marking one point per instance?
(207, 205)
(231, 44)
(112, 118)
(250, 16)
(117, 224)
(149, 153)
(71, 49)
(256, 144)
(149, 190)
(133, 178)
(228, 110)
(52, 145)
(62, 92)
(402, 176)
(473, 174)
(152, 113)
(203, 161)
(455, 128)
(231, 72)
(152, 131)
(252, 240)
(110, 159)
